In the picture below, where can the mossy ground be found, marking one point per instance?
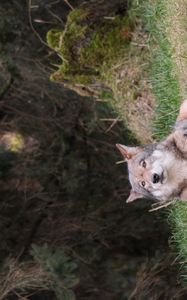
(132, 95)
(113, 55)
(146, 67)
(88, 50)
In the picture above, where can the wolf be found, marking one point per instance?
(159, 171)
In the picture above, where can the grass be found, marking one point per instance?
(132, 96)
(167, 40)
(17, 278)
(178, 221)
(164, 80)
(176, 29)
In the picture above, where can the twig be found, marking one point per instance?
(110, 119)
(32, 27)
(112, 125)
(55, 16)
(67, 2)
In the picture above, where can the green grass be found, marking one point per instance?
(167, 88)
(178, 221)
(162, 73)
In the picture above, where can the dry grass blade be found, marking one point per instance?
(161, 205)
(152, 275)
(22, 278)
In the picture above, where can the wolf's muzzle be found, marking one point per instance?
(156, 178)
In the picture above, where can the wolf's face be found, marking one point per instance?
(152, 172)
(159, 171)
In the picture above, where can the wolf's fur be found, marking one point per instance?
(159, 171)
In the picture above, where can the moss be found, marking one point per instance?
(78, 15)
(68, 78)
(53, 38)
(63, 41)
(88, 48)
(107, 44)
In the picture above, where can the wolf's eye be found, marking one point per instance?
(143, 163)
(143, 183)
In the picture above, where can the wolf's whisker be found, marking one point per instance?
(120, 162)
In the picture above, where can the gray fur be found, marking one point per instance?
(167, 160)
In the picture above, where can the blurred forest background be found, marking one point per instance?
(65, 230)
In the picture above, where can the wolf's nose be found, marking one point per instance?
(155, 178)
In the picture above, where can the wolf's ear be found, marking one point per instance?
(183, 111)
(134, 196)
(127, 152)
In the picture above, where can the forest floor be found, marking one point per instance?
(65, 228)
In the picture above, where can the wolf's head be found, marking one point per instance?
(152, 171)
(156, 171)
